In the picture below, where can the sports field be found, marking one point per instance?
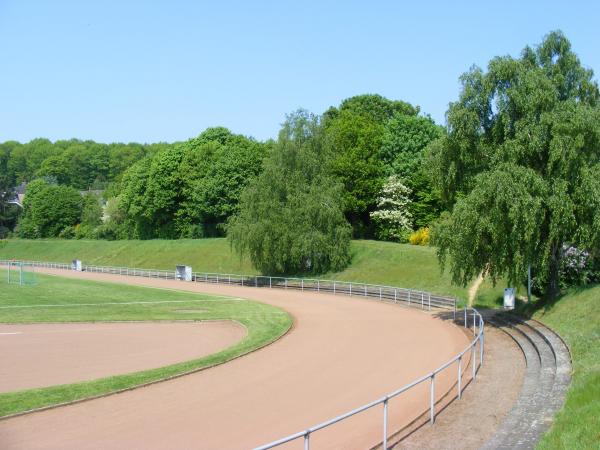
(56, 300)
(340, 353)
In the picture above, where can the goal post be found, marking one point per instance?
(21, 273)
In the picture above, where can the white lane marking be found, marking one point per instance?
(112, 303)
(16, 332)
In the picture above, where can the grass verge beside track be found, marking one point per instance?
(375, 262)
(115, 302)
(576, 317)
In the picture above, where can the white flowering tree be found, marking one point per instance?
(392, 217)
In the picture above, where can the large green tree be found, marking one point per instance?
(354, 134)
(190, 189)
(403, 153)
(521, 161)
(48, 209)
(290, 218)
(215, 169)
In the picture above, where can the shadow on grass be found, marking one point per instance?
(545, 304)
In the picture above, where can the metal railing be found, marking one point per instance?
(421, 299)
(478, 331)
(410, 297)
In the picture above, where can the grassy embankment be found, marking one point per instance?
(374, 262)
(576, 317)
(264, 324)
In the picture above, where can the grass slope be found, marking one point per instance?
(264, 323)
(576, 317)
(375, 262)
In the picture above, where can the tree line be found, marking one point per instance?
(511, 182)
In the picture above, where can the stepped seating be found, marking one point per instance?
(547, 377)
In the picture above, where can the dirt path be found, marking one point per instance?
(51, 354)
(474, 288)
(342, 352)
(469, 423)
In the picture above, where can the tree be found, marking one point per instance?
(290, 219)
(354, 134)
(91, 217)
(215, 169)
(521, 162)
(403, 153)
(49, 209)
(392, 217)
(190, 189)
(354, 141)
(9, 212)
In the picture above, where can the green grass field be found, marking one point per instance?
(576, 317)
(264, 324)
(401, 265)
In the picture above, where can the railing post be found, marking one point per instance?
(409, 297)
(465, 317)
(318, 285)
(302, 283)
(429, 297)
(334, 288)
(432, 400)
(459, 381)
(473, 362)
(365, 290)
(385, 423)
(481, 349)
(379, 293)
(395, 295)
(307, 441)
(422, 300)
(270, 282)
(350, 289)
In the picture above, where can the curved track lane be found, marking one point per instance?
(341, 353)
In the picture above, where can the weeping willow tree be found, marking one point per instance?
(290, 218)
(520, 163)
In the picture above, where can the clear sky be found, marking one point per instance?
(163, 71)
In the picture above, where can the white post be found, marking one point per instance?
(432, 400)
(302, 283)
(334, 288)
(307, 441)
(429, 296)
(473, 362)
(270, 282)
(459, 377)
(385, 423)
(395, 295)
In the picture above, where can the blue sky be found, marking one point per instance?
(164, 71)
